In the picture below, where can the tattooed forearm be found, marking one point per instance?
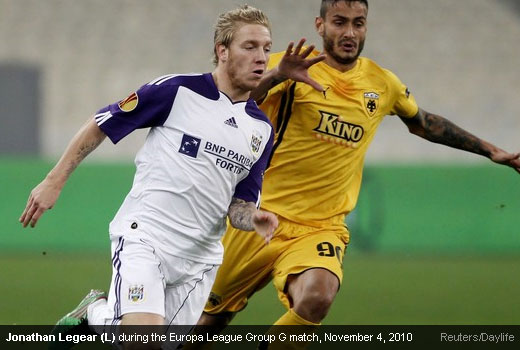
(276, 80)
(440, 130)
(82, 152)
(86, 149)
(88, 138)
(269, 81)
(240, 214)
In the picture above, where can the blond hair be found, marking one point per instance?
(229, 22)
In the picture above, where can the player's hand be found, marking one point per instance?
(265, 223)
(42, 198)
(295, 64)
(510, 159)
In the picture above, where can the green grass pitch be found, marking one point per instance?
(377, 289)
(447, 253)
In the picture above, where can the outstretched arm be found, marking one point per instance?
(44, 195)
(294, 65)
(244, 216)
(440, 130)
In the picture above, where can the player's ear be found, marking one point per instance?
(222, 52)
(319, 23)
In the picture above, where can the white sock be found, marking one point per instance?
(97, 312)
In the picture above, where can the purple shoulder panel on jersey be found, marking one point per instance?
(249, 189)
(255, 112)
(151, 105)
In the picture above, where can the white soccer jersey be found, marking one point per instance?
(201, 151)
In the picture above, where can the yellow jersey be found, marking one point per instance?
(314, 175)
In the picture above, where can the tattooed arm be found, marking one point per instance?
(294, 65)
(440, 130)
(269, 81)
(43, 196)
(244, 216)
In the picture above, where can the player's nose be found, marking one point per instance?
(261, 56)
(349, 31)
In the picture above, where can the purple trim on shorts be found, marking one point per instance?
(117, 280)
(117, 251)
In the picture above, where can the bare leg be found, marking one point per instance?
(312, 293)
(140, 319)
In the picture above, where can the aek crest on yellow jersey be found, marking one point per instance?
(371, 103)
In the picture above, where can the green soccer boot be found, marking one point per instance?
(75, 322)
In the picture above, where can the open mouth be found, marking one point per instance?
(259, 71)
(348, 46)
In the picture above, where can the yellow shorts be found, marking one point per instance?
(249, 264)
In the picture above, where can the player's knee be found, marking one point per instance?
(313, 293)
(314, 304)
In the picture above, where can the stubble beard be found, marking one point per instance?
(237, 81)
(329, 45)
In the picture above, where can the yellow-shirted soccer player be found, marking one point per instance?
(325, 111)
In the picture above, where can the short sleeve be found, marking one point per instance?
(404, 103)
(147, 107)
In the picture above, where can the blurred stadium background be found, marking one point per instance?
(435, 237)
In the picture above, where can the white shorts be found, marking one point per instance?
(148, 279)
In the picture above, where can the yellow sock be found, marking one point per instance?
(291, 324)
(291, 318)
